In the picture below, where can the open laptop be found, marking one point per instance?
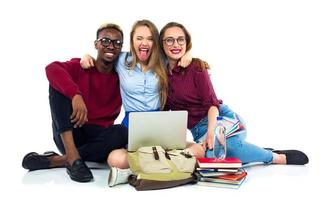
(163, 128)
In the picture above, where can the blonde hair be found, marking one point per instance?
(155, 62)
(109, 26)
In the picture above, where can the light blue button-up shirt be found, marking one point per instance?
(139, 90)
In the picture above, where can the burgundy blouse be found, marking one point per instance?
(191, 89)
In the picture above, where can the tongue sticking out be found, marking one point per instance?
(143, 55)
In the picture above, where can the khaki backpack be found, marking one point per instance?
(156, 168)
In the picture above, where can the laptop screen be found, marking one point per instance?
(163, 128)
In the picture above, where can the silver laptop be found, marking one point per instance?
(164, 128)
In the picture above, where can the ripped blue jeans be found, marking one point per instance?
(236, 145)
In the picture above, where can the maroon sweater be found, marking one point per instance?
(100, 91)
(191, 89)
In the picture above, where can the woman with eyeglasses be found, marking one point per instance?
(191, 89)
(143, 84)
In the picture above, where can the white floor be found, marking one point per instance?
(267, 182)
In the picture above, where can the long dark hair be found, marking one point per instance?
(202, 64)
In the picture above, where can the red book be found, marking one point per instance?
(233, 177)
(219, 163)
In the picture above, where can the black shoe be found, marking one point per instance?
(294, 157)
(34, 161)
(79, 171)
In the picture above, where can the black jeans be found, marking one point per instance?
(93, 142)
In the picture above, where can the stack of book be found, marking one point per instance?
(226, 173)
(232, 126)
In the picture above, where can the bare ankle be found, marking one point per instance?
(72, 156)
(57, 161)
(279, 159)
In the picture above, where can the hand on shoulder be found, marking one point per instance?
(87, 61)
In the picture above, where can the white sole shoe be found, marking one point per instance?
(118, 176)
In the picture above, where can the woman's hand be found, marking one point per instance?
(186, 59)
(209, 141)
(87, 62)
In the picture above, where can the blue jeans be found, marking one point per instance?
(236, 145)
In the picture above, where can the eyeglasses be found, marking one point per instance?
(170, 40)
(107, 41)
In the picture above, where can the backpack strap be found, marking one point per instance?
(186, 155)
(155, 153)
(167, 155)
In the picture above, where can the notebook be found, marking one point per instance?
(163, 128)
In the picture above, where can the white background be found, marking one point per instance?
(267, 60)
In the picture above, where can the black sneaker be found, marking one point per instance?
(79, 171)
(294, 157)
